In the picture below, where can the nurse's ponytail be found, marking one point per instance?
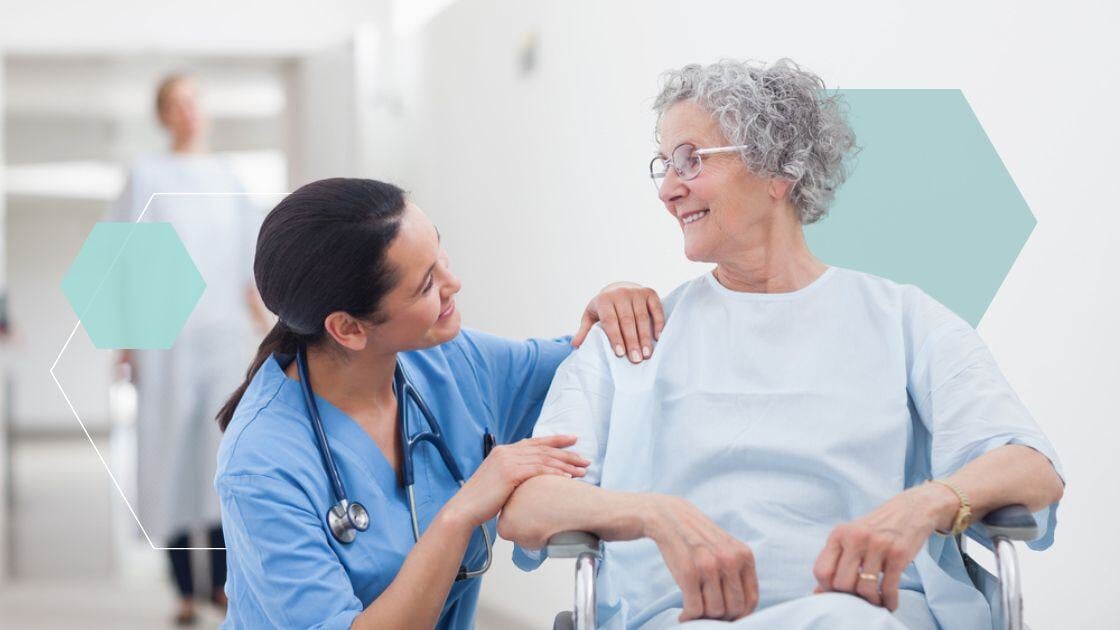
(321, 250)
(280, 340)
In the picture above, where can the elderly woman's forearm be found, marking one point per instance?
(1008, 475)
(547, 505)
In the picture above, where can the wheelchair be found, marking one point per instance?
(1003, 592)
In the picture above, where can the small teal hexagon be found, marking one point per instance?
(133, 285)
(929, 201)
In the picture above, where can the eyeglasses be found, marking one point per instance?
(686, 160)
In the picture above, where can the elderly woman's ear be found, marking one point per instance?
(779, 188)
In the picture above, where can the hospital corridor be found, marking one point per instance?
(336, 314)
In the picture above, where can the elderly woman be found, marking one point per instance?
(805, 437)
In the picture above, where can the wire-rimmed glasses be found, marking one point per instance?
(686, 160)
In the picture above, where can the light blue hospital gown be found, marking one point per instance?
(781, 416)
(285, 569)
(182, 387)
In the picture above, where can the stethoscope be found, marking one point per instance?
(346, 519)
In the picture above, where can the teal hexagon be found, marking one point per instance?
(929, 201)
(133, 285)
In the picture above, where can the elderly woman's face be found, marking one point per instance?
(717, 209)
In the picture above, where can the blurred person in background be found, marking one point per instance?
(180, 389)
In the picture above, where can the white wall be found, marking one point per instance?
(5, 458)
(322, 116)
(3, 188)
(209, 26)
(537, 184)
(45, 237)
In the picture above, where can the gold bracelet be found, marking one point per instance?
(964, 513)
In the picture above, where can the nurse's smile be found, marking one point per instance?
(448, 311)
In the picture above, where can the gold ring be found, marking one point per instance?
(869, 576)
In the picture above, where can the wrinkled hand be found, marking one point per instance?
(506, 467)
(715, 571)
(631, 316)
(882, 543)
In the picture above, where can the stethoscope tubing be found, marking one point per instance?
(405, 391)
(317, 424)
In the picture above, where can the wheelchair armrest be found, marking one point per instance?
(1002, 527)
(572, 544)
(1014, 522)
(584, 547)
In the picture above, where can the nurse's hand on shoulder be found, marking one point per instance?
(507, 466)
(714, 569)
(631, 316)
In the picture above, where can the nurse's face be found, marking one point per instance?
(721, 206)
(420, 310)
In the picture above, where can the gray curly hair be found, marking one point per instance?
(792, 128)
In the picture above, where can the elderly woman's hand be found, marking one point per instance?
(715, 570)
(630, 315)
(867, 556)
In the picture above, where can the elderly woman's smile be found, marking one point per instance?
(693, 217)
(706, 186)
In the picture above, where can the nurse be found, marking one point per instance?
(360, 282)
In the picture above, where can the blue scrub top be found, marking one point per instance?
(285, 570)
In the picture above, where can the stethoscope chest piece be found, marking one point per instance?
(346, 520)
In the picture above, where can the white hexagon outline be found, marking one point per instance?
(73, 331)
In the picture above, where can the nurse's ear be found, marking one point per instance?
(346, 330)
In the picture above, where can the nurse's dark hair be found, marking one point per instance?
(321, 250)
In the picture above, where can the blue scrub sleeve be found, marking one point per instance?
(292, 572)
(968, 406)
(514, 377)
